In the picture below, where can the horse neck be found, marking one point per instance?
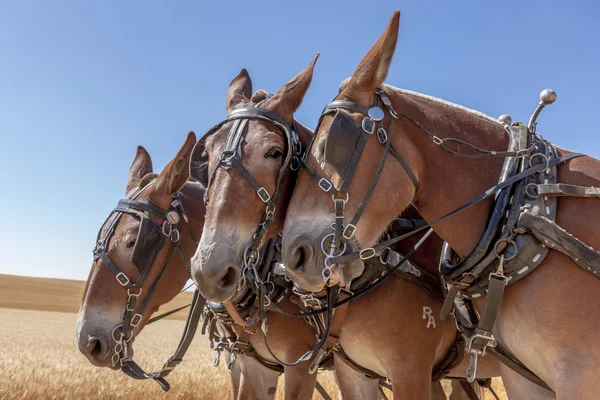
(446, 180)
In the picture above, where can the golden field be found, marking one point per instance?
(40, 358)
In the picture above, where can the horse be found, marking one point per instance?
(246, 162)
(454, 164)
(160, 274)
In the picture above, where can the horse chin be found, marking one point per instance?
(218, 295)
(351, 271)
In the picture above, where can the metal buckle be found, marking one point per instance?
(325, 185)
(382, 135)
(226, 156)
(122, 279)
(175, 236)
(490, 341)
(384, 99)
(167, 228)
(263, 194)
(135, 321)
(368, 125)
(475, 353)
(349, 231)
(392, 258)
(367, 253)
(334, 199)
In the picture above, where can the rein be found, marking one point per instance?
(150, 240)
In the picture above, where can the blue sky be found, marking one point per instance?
(83, 83)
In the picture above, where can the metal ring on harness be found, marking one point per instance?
(543, 156)
(328, 254)
(342, 200)
(508, 242)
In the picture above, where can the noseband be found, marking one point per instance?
(150, 240)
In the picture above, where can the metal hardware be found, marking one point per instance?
(325, 185)
(367, 253)
(368, 125)
(505, 119)
(173, 217)
(122, 279)
(349, 231)
(382, 135)
(376, 114)
(548, 96)
(263, 194)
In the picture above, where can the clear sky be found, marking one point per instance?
(83, 83)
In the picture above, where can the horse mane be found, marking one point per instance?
(446, 103)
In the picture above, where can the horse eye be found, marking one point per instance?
(131, 243)
(274, 153)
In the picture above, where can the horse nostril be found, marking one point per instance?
(299, 258)
(94, 347)
(229, 278)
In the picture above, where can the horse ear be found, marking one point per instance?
(141, 166)
(177, 172)
(287, 100)
(374, 67)
(240, 90)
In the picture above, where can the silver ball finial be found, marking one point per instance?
(548, 96)
(505, 119)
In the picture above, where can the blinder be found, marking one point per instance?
(342, 140)
(150, 240)
(344, 144)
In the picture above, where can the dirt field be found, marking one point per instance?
(40, 359)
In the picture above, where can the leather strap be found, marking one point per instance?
(468, 389)
(557, 238)
(492, 303)
(235, 315)
(563, 189)
(322, 391)
(504, 356)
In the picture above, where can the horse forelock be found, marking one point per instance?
(258, 96)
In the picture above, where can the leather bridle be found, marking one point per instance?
(231, 156)
(144, 259)
(372, 122)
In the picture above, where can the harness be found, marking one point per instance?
(150, 239)
(388, 260)
(520, 230)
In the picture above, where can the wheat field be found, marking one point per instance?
(40, 358)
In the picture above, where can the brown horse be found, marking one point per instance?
(234, 211)
(541, 313)
(104, 298)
